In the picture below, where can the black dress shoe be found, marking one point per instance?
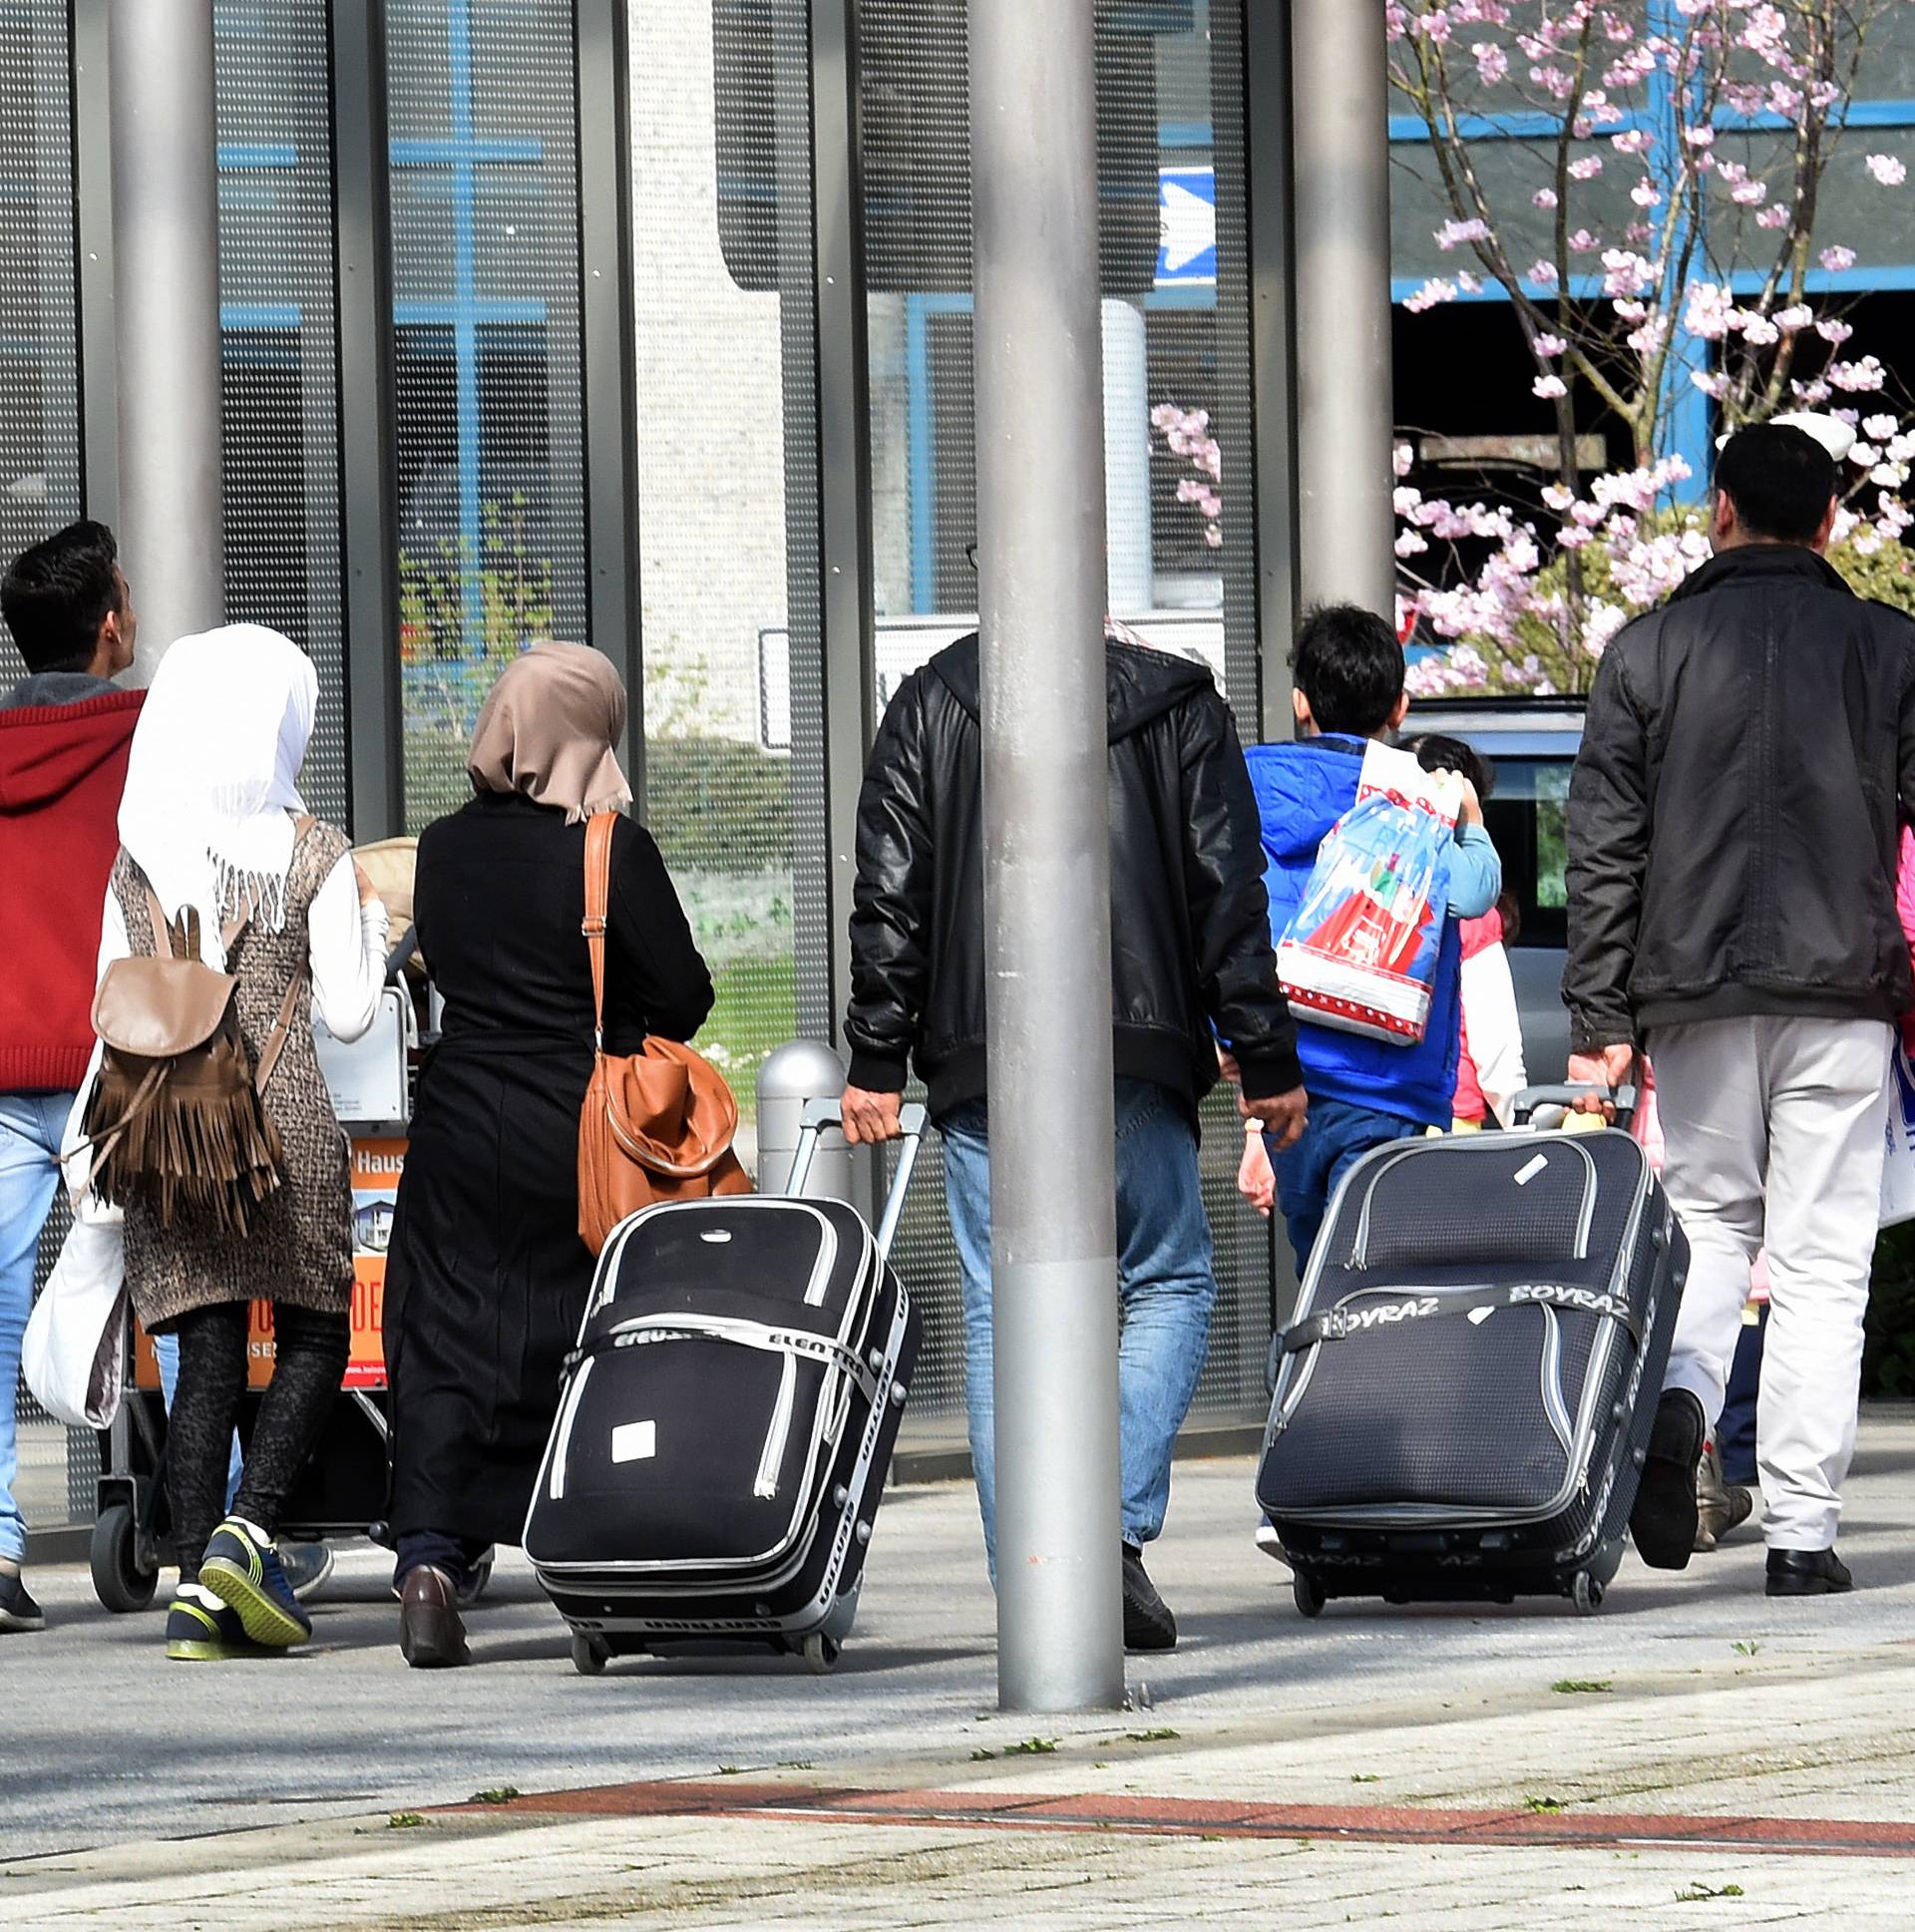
(431, 1637)
(1663, 1519)
(1807, 1573)
(1148, 1624)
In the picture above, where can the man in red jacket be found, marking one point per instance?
(66, 733)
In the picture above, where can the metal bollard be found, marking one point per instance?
(799, 1071)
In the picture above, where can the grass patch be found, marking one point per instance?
(1366, 1777)
(1033, 1748)
(404, 1821)
(1699, 1894)
(1157, 1736)
(1747, 1649)
(497, 1794)
(1545, 1807)
(981, 1755)
(1576, 1687)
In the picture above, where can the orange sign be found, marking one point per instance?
(376, 1167)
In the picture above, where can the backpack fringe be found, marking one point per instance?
(205, 1159)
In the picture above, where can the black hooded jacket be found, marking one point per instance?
(1190, 927)
(1747, 761)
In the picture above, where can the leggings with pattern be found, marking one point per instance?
(310, 1352)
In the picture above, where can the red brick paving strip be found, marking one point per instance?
(1218, 1817)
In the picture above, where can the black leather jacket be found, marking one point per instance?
(1747, 761)
(1189, 918)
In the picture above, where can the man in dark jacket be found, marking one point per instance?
(1747, 756)
(66, 733)
(1191, 965)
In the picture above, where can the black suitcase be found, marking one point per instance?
(728, 1418)
(1463, 1402)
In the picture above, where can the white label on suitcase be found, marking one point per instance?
(635, 1442)
(1530, 1169)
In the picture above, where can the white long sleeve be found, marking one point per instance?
(346, 944)
(1495, 1028)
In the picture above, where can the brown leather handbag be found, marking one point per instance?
(657, 1125)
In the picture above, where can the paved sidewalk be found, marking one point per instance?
(1434, 1768)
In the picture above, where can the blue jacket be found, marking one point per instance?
(1302, 790)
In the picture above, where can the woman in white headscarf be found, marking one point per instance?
(212, 823)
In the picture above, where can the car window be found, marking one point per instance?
(1526, 816)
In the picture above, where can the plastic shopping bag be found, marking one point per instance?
(1361, 951)
(75, 1351)
(1898, 1169)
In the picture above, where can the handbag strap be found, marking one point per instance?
(598, 830)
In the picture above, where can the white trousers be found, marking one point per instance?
(1775, 1131)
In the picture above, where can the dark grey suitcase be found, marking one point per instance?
(1463, 1402)
(728, 1419)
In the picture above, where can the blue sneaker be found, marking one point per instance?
(242, 1565)
(202, 1629)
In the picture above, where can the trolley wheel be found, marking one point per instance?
(118, 1578)
(589, 1653)
(1585, 1593)
(820, 1654)
(1308, 1593)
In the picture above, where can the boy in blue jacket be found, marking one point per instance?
(1348, 672)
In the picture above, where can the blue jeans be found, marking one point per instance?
(30, 1128)
(1338, 1136)
(1164, 1282)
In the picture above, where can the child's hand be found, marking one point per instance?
(1256, 1181)
(1472, 806)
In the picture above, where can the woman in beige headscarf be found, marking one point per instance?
(486, 1277)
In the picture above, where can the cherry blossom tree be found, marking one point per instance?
(1656, 240)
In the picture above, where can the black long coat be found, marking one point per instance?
(486, 1277)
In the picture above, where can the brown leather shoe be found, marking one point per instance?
(431, 1637)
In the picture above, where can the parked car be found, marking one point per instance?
(1532, 743)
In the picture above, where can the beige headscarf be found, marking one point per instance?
(547, 730)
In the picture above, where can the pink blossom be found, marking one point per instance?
(1715, 386)
(1750, 194)
(1585, 168)
(1453, 233)
(1758, 330)
(1627, 272)
(1402, 459)
(1880, 426)
(1549, 345)
(1890, 170)
(1834, 329)
(1409, 544)
(1434, 25)
(1837, 258)
(1431, 293)
(1857, 378)
(1544, 197)
(1543, 271)
(1776, 215)
(1583, 242)
(1637, 141)
(1709, 311)
(1646, 194)
(1548, 388)
(1492, 64)
(1789, 320)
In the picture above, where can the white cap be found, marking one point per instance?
(1834, 435)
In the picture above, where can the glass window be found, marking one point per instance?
(1526, 818)
(491, 486)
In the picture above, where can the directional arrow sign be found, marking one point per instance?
(1186, 228)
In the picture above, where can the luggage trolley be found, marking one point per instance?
(343, 1490)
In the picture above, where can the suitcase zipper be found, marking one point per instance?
(779, 1433)
(561, 1450)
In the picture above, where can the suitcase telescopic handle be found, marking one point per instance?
(822, 1115)
(1525, 1103)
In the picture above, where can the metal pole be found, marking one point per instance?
(368, 420)
(1041, 527)
(1340, 120)
(165, 284)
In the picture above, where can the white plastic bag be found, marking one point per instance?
(75, 1352)
(1898, 1169)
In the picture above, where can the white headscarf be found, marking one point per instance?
(212, 781)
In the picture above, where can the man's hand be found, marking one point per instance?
(367, 891)
(871, 1116)
(1610, 1068)
(1284, 1116)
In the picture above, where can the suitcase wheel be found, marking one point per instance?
(1585, 1593)
(820, 1654)
(589, 1653)
(1308, 1593)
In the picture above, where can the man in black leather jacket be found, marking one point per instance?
(1192, 965)
(1748, 760)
